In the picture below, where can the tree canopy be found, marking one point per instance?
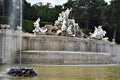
(86, 12)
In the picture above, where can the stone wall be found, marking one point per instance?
(116, 54)
(9, 45)
(65, 58)
(59, 43)
(44, 49)
(1, 47)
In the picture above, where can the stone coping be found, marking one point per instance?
(62, 52)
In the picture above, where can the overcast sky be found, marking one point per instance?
(53, 2)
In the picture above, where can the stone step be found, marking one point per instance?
(65, 57)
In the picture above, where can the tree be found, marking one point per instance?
(111, 19)
(1, 7)
(86, 12)
(28, 11)
(46, 12)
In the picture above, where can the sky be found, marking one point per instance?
(53, 2)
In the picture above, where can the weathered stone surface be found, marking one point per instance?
(10, 45)
(60, 43)
(65, 58)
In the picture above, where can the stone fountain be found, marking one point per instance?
(64, 44)
(60, 44)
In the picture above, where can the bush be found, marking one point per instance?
(87, 31)
(3, 20)
(28, 26)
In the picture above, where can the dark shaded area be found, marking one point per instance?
(21, 72)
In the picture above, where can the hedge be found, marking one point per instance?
(3, 20)
(87, 31)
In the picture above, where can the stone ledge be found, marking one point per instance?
(65, 57)
(62, 52)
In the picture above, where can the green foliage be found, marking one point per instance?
(47, 13)
(28, 25)
(87, 31)
(86, 12)
(29, 12)
(3, 20)
(111, 19)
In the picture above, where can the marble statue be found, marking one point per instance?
(60, 19)
(67, 24)
(66, 13)
(64, 26)
(71, 27)
(94, 33)
(37, 29)
(99, 33)
(36, 23)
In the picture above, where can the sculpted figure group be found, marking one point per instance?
(66, 27)
(63, 26)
